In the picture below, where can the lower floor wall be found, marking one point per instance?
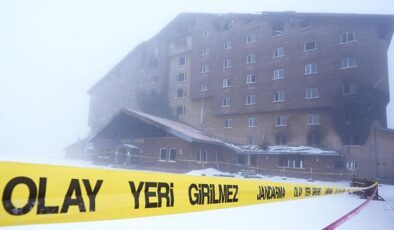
(172, 154)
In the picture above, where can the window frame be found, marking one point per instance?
(250, 99)
(347, 37)
(305, 45)
(160, 154)
(177, 78)
(250, 58)
(279, 96)
(252, 122)
(227, 45)
(348, 61)
(226, 83)
(227, 64)
(205, 68)
(277, 76)
(281, 120)
(183, 93)
(313, 119)
(251, 38)
(226, 102)
(310, 93)
(179, 62)
(278, 52)
(228, 123)
(310, 66)
(251, 79)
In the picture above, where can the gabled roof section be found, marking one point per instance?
(177, 129)
(190, 134)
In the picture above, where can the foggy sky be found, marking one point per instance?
(52, 52)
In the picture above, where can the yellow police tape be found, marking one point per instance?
(37, 194)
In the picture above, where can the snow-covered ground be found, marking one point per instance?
(313, 213)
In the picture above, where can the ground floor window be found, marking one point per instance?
(247, 159)
(292, 162)
(167, 154)
(202, 156)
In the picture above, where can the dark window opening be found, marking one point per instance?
(172, 154)
(352, 140)
(242, 159)
(253, 160)
(163, 154)
(278, 28)
(303, 24)
(313, 139)
(280, 139)
(350, 88)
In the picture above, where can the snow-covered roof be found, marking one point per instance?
(191, 134)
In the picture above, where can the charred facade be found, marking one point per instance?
(262, 79)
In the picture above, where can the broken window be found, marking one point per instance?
(181, 43)
(180, 93)
(278, 28)
(303, 24)
(181, 77)
(349, 88)
(180, 110)
(181, 60)
(280, 139)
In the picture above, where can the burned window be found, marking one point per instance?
(228, 25)
(180, 110)
(278, 28)
(180, 93)
(303, 24)
(251, 140)
(350, 88)
(181, 77)
(352, 139)
(242, 159)
(314, 138)
(280, 139)
(181, 60)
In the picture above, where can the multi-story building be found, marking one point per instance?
(296, 79)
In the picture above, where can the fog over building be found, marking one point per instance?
(288, 91)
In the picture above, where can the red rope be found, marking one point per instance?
(352, 213)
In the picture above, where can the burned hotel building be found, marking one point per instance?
(278, 92)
